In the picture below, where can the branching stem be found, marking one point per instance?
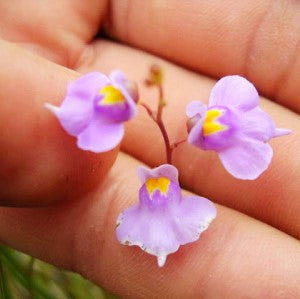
(157, 118)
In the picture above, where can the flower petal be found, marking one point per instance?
(119, 112)
(74, 115)
(165, 170)
(194, 108)
(192, 218)
(151, 231)
(100, 137)
(119, 80)
(257, 124)
(118, 77)
(161, 231)
(76, 110)
(247, 159)
(195, 136)
(234, 91)
(87, 86)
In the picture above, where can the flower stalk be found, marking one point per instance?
(156, 79)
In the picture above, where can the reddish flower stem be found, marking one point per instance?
(149, 110)
(158, 120)
(156, 80)
(166, 140)
(175, 144)
(160, 123)
(161, 102)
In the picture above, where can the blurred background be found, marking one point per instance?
(22, 276)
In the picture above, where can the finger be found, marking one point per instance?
(273, 198)
(57, 31)
(225, 262)
(257, 39)
(39, 162)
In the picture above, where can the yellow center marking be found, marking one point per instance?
(210, 125)
(111, 95)
(161, 184)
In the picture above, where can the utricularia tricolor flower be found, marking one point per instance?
(235, 127)
(95, 109)
(163, 219)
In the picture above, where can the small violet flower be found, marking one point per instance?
(163, 219)
(235, 127)
(95, 109)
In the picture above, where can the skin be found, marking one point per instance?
(44, 47)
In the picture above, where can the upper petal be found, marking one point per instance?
(87, 86)
(165, 170)
(119, 80)
(234, 91)
(100, 137)
(194, 108)
(247, 158)
(118, 77)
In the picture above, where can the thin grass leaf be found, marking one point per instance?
(5, 290)
(22, 278)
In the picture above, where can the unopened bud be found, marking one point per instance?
(149, 82)
(155, 76)
(155, 69)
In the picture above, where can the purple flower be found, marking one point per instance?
(235, 127)
(95, 108)
(163, 219)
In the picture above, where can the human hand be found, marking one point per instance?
(238, 256)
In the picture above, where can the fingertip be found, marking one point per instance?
(40, 162)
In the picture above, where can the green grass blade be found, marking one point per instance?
(5, 290)
(21, 277)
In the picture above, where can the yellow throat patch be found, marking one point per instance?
(111, 95)
(161, 184)
(210, 125)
